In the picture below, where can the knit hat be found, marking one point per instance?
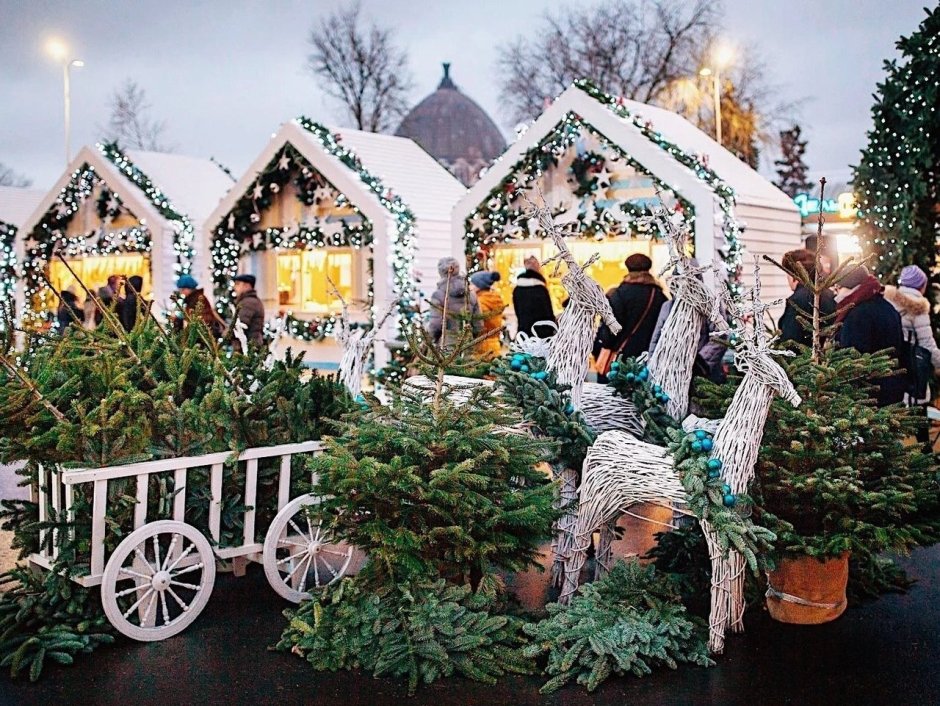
(448, 266)
(638, 262)
(247, 279)
(912, 276)
(855, 277)
(187, 282)
(484, 280)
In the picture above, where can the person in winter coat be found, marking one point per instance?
(249, 309)
(452, 306)
(636, 303)
(107, 296)
(908, 298)
(531, 301)
(196, 305)
(870, 324)
(128, 307)
(491, 308)
(801, 301)
(69, 312)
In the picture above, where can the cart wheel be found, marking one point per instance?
(158, 580)
(298, 556)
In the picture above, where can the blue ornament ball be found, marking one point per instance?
(713, 473)
(524, 368)
(707, 444)
(729, 500)
(644, 374)
(699, 434)
(515, 364)
(697, 446)
(630, 377)
(714, 464)
(726, 489)
(615, 365)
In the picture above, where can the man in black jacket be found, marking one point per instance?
(636, 303)
(801, 301)
(531, 301)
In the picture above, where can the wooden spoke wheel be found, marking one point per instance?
(158, 580)
(299, 556)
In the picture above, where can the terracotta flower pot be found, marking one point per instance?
(806, 591)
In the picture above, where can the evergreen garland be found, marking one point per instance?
(629, 622)
(422, 632)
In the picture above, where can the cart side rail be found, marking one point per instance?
(56, 488)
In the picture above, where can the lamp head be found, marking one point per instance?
(57, 49)
(705, 72)
(723, 55)
(77, 63)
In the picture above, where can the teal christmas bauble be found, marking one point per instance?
(524, 368)
(630, 377)
(615, 365)
(713, 473)
(515, 365)
(726, 489)
(700, 434)
(729, 500)
(697, 446)
(714, 464)
(707, 444)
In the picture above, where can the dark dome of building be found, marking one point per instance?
(453, 129)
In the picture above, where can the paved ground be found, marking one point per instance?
(883, 653)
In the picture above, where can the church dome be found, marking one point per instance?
(454, 130)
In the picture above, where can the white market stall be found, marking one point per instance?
(602, 163)
(369, 212)
(16, 204)
(120, 213)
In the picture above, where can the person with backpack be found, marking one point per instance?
(919, 352)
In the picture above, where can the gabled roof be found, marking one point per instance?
(188, 182)
(17, 203)
(194, 185)
(426, 187)
(749, 186)
(420, 180)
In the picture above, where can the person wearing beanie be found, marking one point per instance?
(491, 309)
(914, 308)
(869, 323)
(531, 301)
(800, 303)
(636, 303)
(249, 309)
(453, 305)
(196, 306)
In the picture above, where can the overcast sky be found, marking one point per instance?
(226, 73)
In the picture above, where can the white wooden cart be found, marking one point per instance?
(159, 578)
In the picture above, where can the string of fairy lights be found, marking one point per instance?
(51, 235)
(498, 218)
(896, 181)
(8, 272)
(240, 231)
(501, 218)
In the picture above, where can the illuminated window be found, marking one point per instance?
(302, 279)
(93, 271)
(608, 271)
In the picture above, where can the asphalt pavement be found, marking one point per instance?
(885, 652)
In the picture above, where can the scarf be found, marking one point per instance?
(640, 278)
(868, 289)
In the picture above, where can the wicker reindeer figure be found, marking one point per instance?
(356, 344)
(570, 349)
(671, 363)
(621, 471)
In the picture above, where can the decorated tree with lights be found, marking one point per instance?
(897, 182)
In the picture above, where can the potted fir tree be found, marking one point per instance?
(836, 479)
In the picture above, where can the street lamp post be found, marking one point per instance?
(59, 51)
(721, 58)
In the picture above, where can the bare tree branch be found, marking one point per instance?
(8, 177)
(130, 124)
(362, 68)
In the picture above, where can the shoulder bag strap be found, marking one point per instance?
(639, 323)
